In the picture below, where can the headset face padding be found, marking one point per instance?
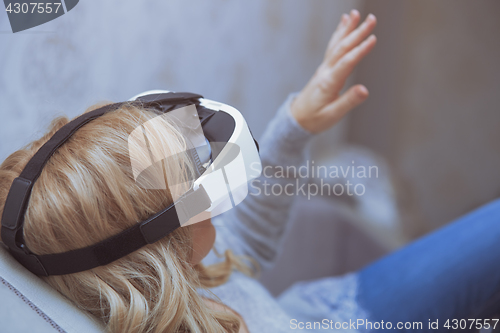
(224, 155)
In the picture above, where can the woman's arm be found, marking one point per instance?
(255, 227)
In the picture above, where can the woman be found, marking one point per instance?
(87, 193)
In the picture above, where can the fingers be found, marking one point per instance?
(345, 103)
(344, 67)
(344, 19)
(353, 22)
(346, 25)
(353, 39)
(338, 32)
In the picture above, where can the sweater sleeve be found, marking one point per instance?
(256, 226)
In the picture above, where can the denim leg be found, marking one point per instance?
(452, 273)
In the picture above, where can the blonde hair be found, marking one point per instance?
(87, 193)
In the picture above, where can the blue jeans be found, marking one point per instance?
(452, 273)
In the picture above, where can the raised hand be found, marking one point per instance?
(319, 105)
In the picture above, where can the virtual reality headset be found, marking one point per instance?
(221, 150)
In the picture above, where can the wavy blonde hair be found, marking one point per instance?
(87, 193)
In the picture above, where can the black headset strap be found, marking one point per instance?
(117, 246)
(111, 249)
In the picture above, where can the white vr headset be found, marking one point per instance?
(226, 155)
(218, 144)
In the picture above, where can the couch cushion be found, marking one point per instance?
(28, 304)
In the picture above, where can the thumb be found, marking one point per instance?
(346, 102)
